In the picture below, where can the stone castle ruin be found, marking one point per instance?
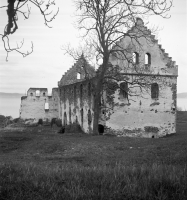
(38, 105)
(142, 112)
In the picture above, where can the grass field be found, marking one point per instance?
(38, 163)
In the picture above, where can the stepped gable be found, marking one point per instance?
(80, 71)
(142, 29)
(139, 23)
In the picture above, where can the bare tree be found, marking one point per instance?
(15, 7)
(104, 23)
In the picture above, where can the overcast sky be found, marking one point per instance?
(46, 65)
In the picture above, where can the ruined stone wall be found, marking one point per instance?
(76, 104)
(160, 62)
(81, 67)
(37, 104)
(139, 114)
(142, 115)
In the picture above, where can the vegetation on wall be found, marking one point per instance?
(104, 23)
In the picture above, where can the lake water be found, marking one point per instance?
(9, 106)
(182, 103)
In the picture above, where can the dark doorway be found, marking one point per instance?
(100, 129)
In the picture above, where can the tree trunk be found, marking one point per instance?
(97, 97)
(98, 93)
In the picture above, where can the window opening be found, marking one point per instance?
(69, 115)
(31, 94)
(78, 76)
(89, 89)
(44, 94)
(65, 119)
(37, 93)
(75, 94)
(89, 117)
(76, 120)
(82, 116)
(81, 93)
(64, 94)
(124, 90)
(154, 91)
(46, 106)
(135, 58)
(147, 59)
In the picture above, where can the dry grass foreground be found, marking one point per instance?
(37, 163)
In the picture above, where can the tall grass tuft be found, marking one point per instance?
(75, 182)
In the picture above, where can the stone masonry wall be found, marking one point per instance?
(76, 104)
(39, 105)
(143, 116)
(139, 114)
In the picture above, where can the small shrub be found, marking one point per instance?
(59, 122)
(73, 128)
(16, 120)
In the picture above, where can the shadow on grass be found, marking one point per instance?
(12, 143)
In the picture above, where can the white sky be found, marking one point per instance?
(46, 65)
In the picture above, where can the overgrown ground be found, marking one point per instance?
(38, 163)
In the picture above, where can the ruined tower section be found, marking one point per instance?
(39, 105)
(76, 95)
(145, 103)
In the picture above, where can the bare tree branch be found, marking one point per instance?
(13, 8)
(106, 22)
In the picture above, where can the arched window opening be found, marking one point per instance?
(89, 117)
(31, 94)
(154, 91)
(37, 93)
(46, 106)
(124, 90)
(114, 56)
(75, 92)
(64, 94)
(147, 59)
(81, 90)
(135, 58)
(82, 117)
(44, 94)
(69, 115)
(76, 120)
(65, 119)
(78, 76)
(89, 89)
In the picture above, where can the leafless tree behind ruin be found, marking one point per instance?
(103, 23)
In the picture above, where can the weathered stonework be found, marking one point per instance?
(38, 105)
(148, 111)
(142, 115)
(81, 67)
